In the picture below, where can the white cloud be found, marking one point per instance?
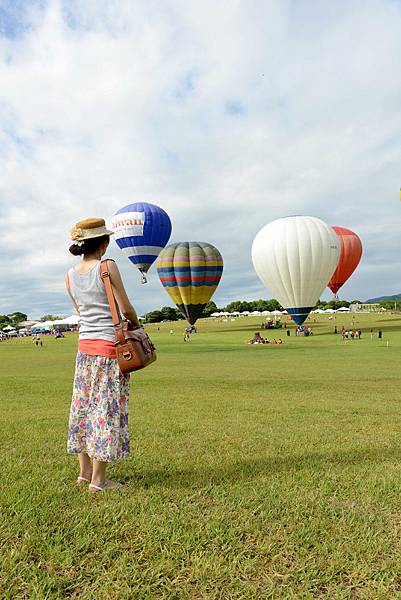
(228, 115)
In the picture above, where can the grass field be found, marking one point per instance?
(256, 471)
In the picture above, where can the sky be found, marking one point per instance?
(226, 114)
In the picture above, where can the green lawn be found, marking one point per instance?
(256, 471)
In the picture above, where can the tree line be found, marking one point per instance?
(15, 318)
(167, 313)
(12, 319)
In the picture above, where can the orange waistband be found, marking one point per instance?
(97, 348)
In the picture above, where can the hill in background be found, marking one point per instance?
(385, 298)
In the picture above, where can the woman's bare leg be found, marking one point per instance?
(85, 466)
(99, 472)
(99, 478)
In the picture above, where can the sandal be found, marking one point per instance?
(81, 480)
(107, 485)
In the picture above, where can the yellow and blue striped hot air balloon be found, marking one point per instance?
(190, 273)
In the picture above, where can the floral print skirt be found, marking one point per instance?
(99, 409)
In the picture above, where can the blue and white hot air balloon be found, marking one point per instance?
(141, 230)
(295, 258)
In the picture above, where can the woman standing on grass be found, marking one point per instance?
(98, 427)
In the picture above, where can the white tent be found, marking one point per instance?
(215, 314)
(343, 309)
(256, 313)
(277, 313)
(329, 310)
(245, 312)
(266, 312)
(72, 320)
(235, 314)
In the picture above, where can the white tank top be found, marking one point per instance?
(95, 321)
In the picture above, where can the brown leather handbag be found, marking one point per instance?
(134, 349)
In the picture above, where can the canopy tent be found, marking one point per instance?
(277, 313)
(72, 320)
(245, 312)
(343, 309)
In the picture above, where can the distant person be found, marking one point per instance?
(288, 333)
(98, 427)
(359, 333)
(257, 339)
(379, 335)
(335, 328)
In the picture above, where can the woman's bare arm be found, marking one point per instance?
(121, 295)
(67, 283)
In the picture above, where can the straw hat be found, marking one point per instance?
(88, 229)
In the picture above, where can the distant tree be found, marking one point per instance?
(169, 314)
(390, 305)
(17, 317)
(209, 309)
(261, 305)
(155, 316)
(337, 304)
(238, 306)
(4, 321)
(233, 306)
(273, 304)
(49, 318)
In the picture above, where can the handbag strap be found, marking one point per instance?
(115, 315)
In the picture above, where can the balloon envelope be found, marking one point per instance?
(190, 272)
(141, 230)
(295, 258)
(350, 255)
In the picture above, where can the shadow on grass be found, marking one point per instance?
(253, 468)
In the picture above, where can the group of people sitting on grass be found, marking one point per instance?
(258, 339)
